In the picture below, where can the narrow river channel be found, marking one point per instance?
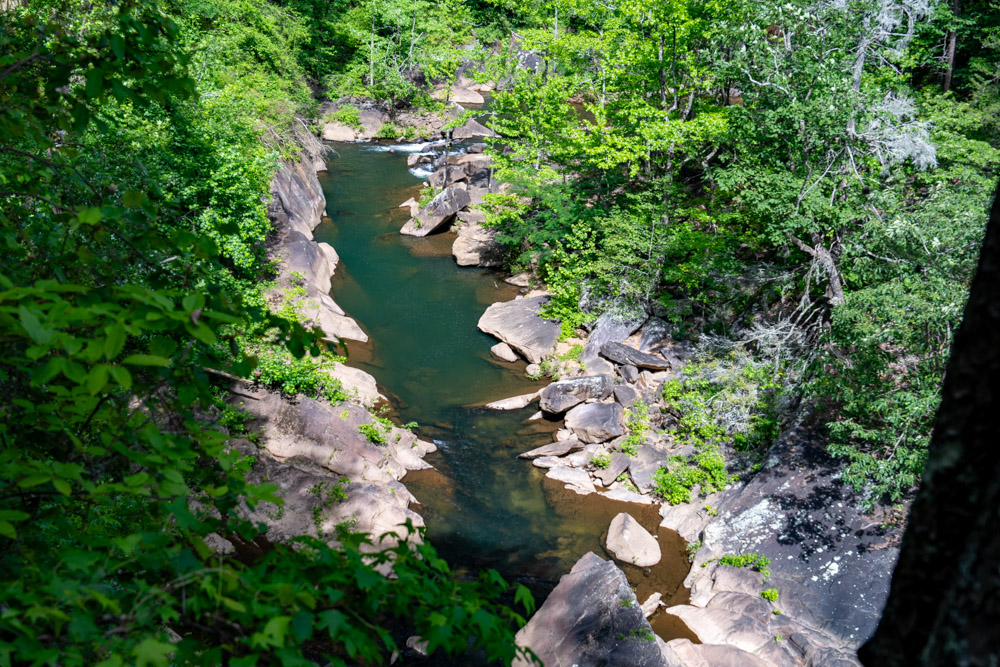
(483, 506)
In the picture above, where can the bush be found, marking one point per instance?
(753, 560)
(349, 115)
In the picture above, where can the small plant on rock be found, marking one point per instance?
(602, 461)
(770, 594)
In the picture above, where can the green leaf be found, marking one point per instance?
(95, 83)
(62, 486)
(14, 515)
(96, 379)
(115, 341)
(33, 326)
(152, 652)
(7, 530)
(121, 376)
(90, 216)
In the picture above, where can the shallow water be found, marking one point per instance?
(483, 506)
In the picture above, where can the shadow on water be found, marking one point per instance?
(483, 506)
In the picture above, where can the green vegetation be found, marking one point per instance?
(373, 433)
(817, 195)
(753, 560)
(637, 423)
(601, 461)
(770, 594)
(349, 115)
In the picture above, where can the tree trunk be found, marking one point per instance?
(826, 261)
(944, 604)
(950, 48)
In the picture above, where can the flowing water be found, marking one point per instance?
(483, 506)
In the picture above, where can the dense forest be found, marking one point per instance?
(800, 187)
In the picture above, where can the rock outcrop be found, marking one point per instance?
(560, 396)
(591, 619)
(519, 324)
(596, 422)
(442, 209)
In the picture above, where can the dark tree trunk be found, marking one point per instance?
(944, 605)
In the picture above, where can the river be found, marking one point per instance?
(483, 506)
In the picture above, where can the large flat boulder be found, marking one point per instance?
(574, 478)
(631, 543)
(591, 619)
(596, 422)
(831, 562)
(644, 464)
(558, 448)
(623, 354)
(477, 246)
(684, 653)
(338, 132)
(440, 210)
(518, 324)
(560, 396)
(514, 402)
(609, 328)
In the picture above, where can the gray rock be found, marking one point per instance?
(626, 496)
(654, 336)
(518, 324)
(440, 210)
(514, 402)
(684, 653)
(596, 422)
(608, 329)
(721, 626)
(626, 395)
(476, 148)
(560, 396)
(623, 354)
(553, 449)
(619, 464)
(476, 245)
(629, 373)
(533, 370)
(591, 619)
(831, 563)
(548, 462)
(652, 603)
(338, 132)
(503, 352)
(355, 381)
(462, 95)
(631, 543)
(520, 280)
(643, 466)
(471, 130)
(575, 479)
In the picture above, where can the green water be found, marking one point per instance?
(483, 506)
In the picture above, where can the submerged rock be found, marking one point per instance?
(591, 619)
(518, 324)
(560, 396)
(596, 422)
(631, 543)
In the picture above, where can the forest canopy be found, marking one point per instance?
(801, 186)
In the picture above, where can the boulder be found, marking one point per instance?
(471, 130)
(553, 449)
(619, 464)
(477, 246)
(721, 626)
(476, 148)
(596, 422)
(624, 495)
(560, 396)
(629, 373)
(609, 328)
(590, 619)
(324, 312)
(503, 352)
(338, 132)
(439, 211)
(575, 479)
(831, 562)
(684, 653)
(372, 121)
(518, 324)
(533, 370)
(514, 402)
(644, 464)
(357, 382)
(519, 280)
(652, 603)
(416, 159)
(655, 335)
(626, 395)
(462, 95)
(623, 354)
(631, 543)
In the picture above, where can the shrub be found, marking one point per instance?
(770, 594)
(348, 115)
(372, 433)
(753, 560)
(601, 461)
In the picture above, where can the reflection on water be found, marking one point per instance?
(483, 506)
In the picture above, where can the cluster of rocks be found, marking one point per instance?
(830, 563)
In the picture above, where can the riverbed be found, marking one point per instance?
(483, 506)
